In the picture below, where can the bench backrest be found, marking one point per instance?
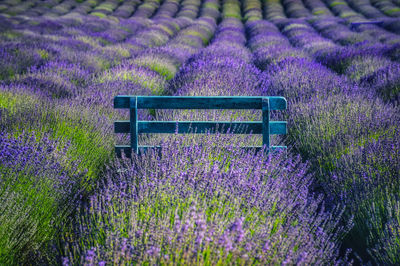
(135, 127)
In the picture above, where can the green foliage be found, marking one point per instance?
(28, 213)
(162, 66)
(89, 142)
(330, 132)
(384, 229)
(392, 11)
(98, 14)
(137, 75)
(318, 12)
(336, 3)
(43, 53)
(109, 7)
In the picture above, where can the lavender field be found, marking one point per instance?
(332, 199)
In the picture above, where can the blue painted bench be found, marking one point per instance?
(135, 127)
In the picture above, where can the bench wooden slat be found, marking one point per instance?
(128, 150)
(276, 127)
(266, 126)
(200, 102)
(133, 125)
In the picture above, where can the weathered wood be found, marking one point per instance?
(135, 127)
(200, 102)
(133, 124)
(128, 151)
(265, 122)
(197, 127)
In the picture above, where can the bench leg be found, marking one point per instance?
(265, 126)
(133, 124)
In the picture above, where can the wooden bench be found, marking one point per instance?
(135, 127)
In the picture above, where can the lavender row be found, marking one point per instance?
(364, 35)
(186, 41)
(295, 9)
(110, 9)
(155, 66)
(387, 7)
(366, 9)
(220, 61)
(145, 37)
(199, 236)
(190, 8)
(71, 99)
(352, 61)
(34, 180)
(94, 47)
(318, 8)
(53, 136)
(345, 11)
(374, 31)
(167, 10)
(222, 68)
(86, 127)
(215, 206)
(292, 82)
(310, 109)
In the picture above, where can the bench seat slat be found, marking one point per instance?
(128, 150)
(199, 102)
(276, 127)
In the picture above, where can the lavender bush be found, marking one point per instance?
(322, 129)
(64, 61)
(386, 82)
(23, 110)
(216, 205)
(385, 248)
(367, 180)
(38, 190)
